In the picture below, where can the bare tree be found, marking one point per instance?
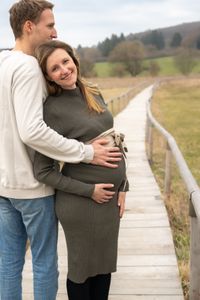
(131, 54)
(185, 60)
(154, 68)
(88, 56)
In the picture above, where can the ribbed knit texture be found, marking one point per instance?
(91, 229)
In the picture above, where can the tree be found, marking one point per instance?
(154, 38)
(131, 54)
(154, 68)
(189, 41)
(198, 43)
(118, 70)
(176, 40)
(88, 56)
(109, 44)
(88, 53)
(87, 68)
(185, 61)
(158, 39)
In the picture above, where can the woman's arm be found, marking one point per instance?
(47, 171)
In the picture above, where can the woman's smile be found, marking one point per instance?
(61, 69)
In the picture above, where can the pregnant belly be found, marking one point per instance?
(89, 173)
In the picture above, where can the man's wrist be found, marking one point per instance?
(89, 153)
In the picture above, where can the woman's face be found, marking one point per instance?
(61, 69)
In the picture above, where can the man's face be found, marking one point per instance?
(44, 30)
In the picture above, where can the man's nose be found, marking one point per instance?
(54, 34)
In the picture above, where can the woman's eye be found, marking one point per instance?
(54, 69)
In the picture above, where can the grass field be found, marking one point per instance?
(103, 69)
(113, 86)
(166, 64)
(176, 105)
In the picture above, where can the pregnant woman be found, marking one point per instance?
(89, 199)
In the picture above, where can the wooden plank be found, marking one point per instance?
(135, 260)
(142, 297)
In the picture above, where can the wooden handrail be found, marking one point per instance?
(193, 190)
(118, 103)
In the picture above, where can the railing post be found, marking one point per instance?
(167, 183)
(122, 102)
(194, 260)
(194, 290)
(119, 104)
(112, 106)
(127, 100)
(149, 140)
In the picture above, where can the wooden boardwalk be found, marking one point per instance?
(147, 266)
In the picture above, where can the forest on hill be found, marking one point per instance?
(181, 41)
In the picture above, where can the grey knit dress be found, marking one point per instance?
(91, 229)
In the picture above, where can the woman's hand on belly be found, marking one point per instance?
(101, 194)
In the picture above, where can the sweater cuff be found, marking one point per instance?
(89, 153)
(82, 189)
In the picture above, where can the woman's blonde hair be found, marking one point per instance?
(88, 90)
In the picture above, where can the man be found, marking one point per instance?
(27, 206)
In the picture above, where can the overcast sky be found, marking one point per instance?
(88, 22)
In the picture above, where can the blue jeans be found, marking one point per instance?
(33, 219)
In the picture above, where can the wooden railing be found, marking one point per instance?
(117, 104)
(172, 150)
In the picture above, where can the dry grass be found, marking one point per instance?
(113, 82)
(112, 87)
(176, 106)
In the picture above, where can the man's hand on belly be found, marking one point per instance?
(105, 156)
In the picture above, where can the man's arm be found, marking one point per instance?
(28, 92)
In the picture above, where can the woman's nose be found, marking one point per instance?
(64, 69)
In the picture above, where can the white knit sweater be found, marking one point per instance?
(22, 92)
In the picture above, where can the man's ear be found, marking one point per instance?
(28, 26)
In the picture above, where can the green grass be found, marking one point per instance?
(167, 67)
(176, 106)
(166, 64)
(180, 111)
(103, 69)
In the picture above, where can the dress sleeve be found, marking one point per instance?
(124, 187)
(47, 171)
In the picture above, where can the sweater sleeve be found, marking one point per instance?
(47, 171)
(27, 93)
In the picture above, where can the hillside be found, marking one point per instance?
(185, 29)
